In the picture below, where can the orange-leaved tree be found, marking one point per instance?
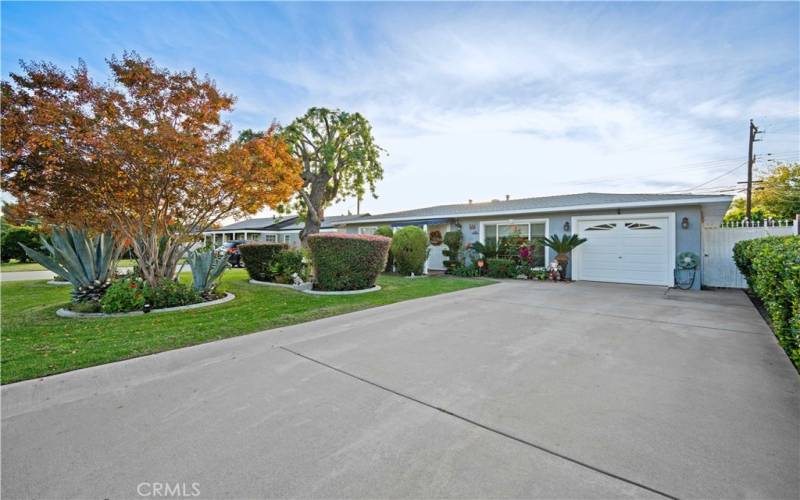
(146, 155)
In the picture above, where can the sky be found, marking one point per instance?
(477, 100)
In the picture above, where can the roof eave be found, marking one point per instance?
(572, 208)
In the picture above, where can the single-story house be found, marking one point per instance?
(281, 229)
(632, 238)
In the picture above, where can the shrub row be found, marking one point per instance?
(132, 293)
(501, 268)
(12, 236)
(273, 262)
(771, 266)
(347, 261)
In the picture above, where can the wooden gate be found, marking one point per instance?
(719, 270)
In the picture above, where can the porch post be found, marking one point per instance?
(425, 267)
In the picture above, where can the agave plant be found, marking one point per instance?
(206, 269)
(562, 246)
(88, 263)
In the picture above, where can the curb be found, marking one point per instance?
(59, 283)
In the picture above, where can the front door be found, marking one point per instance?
(436, 245)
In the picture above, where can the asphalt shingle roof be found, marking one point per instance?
(287, 223)
(533, 204)
(328, 222)
(257, 224)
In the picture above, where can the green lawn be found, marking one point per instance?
(14, 266)
(35, 342)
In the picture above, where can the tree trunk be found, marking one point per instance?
(315, 208)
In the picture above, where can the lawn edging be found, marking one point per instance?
(298, 288)
(342, 292)
(66, 313)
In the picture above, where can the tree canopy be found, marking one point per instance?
(339, 158)
(146, 154)
(776, 196)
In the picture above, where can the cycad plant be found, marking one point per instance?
(207, 268)
(562, 246)
(87, 263)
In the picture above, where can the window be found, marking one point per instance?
(270, 238)
(508, 236)
(602, 227)
(367, 230)
(638, 226)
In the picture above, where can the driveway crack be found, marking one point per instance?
(482, 426)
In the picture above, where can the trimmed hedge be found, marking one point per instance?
(501, 268)
(410, 250)
(259, 259)
(347, 261)
(389, 233)
(771, 266)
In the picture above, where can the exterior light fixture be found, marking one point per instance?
(566, 226)
(685, 223)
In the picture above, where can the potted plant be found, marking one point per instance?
(563, 245)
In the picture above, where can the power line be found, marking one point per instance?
(734, 169)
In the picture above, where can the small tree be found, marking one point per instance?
(453, 240)
(777, 196)
(410, 250)
(146, 155)
(339, 158)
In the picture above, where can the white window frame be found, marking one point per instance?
(505, 222)
(363, 230)
(669, 279)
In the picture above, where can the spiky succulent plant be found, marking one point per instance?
(87, 263)
(207, 268)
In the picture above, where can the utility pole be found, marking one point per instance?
(750, 160)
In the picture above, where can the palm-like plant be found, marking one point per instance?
(562, 246)
(487, 250)
(87, 263)
(206, 270)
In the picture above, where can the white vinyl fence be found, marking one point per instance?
(719, 270)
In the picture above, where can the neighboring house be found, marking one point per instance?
(284, 229)
(632, 238)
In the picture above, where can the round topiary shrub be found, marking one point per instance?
(410, 250)
(259, 259)
(347, 261)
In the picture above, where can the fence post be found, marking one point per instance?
(797, 224)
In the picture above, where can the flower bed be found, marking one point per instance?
(347, 261)
(66, 313)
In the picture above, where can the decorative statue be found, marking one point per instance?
(554, 270)
(296, 279)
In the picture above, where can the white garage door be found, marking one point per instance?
(626, 250)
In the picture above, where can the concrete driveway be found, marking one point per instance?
(513, 390)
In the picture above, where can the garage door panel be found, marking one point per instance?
(629, 250)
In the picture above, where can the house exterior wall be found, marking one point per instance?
(685, 239)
